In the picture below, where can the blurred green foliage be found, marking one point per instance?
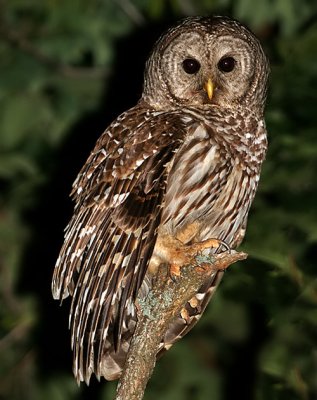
(66, 69)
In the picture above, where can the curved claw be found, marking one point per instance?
(216, 244)
(225, 245)
(174, 272)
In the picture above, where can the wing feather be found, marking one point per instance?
(109, 241)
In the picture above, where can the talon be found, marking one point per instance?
(174, 272)
(225, 245)
(211, 244)
(217, 244)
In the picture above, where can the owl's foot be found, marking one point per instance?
(197, 253)
(201, 247)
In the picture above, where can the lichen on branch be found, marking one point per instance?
(162, 304)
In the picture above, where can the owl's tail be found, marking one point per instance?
(113, 361)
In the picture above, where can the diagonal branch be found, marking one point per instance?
(163, 303)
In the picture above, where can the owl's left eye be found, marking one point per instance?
(191, 66)
(226, 64)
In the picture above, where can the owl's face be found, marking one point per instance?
(206, 61)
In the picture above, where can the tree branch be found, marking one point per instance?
(163, 303)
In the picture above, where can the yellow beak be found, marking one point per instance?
(209, 87)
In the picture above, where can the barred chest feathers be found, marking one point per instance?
(213, 179)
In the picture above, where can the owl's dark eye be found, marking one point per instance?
(191, 66)
(226, 64)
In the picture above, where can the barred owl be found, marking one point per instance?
(178, 170)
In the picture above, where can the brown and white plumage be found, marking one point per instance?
(180, 167)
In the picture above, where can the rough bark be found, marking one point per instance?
(163, 303)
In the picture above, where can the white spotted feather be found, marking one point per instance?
(177, 159)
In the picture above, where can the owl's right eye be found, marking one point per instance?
(191, 66)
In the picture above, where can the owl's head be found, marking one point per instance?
(207, 61)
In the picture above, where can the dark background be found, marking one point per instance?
(67, 69)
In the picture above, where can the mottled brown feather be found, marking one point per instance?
(171, 172)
